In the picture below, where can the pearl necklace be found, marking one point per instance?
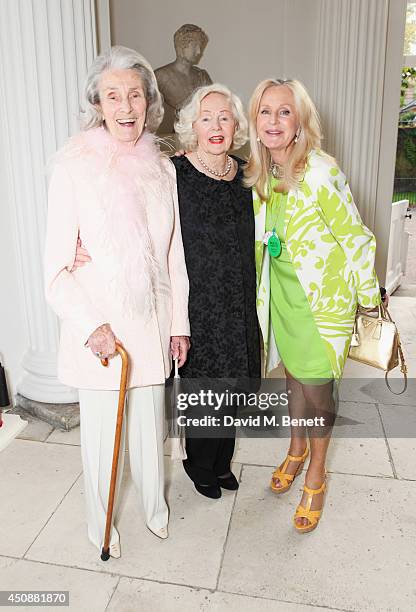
(219, 174)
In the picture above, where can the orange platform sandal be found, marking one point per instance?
(312, 516)
(286, 480)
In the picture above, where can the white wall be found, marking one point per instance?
(347, 53)
(248, 41)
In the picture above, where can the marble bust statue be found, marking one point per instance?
(181, 77)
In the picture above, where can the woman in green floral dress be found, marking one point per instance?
(314, 262)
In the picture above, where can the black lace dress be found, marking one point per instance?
(218, 236)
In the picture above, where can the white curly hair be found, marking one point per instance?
(189, 113)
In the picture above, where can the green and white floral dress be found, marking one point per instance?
(293, 325)
(332, 254)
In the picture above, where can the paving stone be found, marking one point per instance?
(133, 594)
(361, 557)
(191, 555)
(36, 429)
(65, 437)
(35, 477)
(400, 426)
(88, 591)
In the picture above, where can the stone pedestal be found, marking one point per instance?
(62, 416)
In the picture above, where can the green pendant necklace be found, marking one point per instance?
(274, 246)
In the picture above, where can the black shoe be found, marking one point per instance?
(229, 482)
(214, 492)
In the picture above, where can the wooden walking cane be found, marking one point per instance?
(105, 553)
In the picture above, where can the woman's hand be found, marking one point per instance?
(384, 300)
(179, 347)
(384, 297)
(81, 256)
(102, 342)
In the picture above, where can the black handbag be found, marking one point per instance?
(4, 394)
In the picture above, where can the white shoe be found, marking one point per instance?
(115, 550)
(160, 533)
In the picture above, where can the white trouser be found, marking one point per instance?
(145, 426)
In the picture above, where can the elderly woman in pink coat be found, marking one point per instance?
(112, 185)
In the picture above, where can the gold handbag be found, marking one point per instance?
(375, 341)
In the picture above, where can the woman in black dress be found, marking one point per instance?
(217, 223)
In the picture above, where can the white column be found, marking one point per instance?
(351, 56)
(358, 93)
(46, 48)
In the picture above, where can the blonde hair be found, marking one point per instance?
(189, 113)
(309, 137)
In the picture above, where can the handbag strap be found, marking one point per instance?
(403, 368)
(382, 310)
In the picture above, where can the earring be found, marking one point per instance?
(296, 139)
(258, 138)
(145, 124)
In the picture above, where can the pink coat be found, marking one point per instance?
(122, 201)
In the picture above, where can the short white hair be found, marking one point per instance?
(121, 58)
(189, 113)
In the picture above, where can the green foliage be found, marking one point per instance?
(406, 154)
(408, 80)
(410, 31)
(408, 118)
(410, 150)
(405, 195)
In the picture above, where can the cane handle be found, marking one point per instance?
(121, 351)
